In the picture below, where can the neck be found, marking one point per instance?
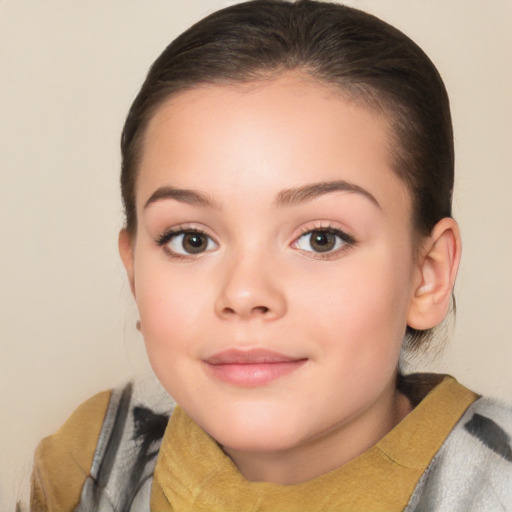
(328, 451)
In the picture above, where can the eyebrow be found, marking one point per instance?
(287, 197)
(191, 197)
(298, 195)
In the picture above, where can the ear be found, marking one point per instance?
(437, 269)
(125, 243)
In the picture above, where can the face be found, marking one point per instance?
(272, 265)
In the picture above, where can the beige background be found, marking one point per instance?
(69, 69)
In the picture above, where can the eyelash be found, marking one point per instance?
(348, 241)
(168, 235)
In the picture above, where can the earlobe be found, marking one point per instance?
(125, 243)
(437, 270)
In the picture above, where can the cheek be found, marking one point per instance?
(171, 310)
(362, 306)
(170, 306)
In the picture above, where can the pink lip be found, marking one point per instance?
(251, 368)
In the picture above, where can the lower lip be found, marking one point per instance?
(249, 375)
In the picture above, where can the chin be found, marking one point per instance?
(256, 432)
(259, 442)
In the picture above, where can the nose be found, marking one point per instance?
(250, 289)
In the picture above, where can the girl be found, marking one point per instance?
(287, 179)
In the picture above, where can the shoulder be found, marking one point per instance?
(62, 460)
(100, 448)
(473, 469)
(489, 423)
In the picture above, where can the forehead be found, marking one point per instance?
(267, 135)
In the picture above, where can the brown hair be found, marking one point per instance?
(367, 59)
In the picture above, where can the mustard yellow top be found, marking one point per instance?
(194, 474)
(62, 462)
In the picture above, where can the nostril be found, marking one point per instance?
(245, 312)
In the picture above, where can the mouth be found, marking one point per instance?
(251, 368)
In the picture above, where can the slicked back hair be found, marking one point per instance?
(368, 60)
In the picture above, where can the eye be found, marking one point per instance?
(187, 242)
(323, 240)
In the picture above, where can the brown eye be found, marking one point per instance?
(323, 241)
(194, 243)
(187, 243)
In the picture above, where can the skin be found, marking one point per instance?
(259, 283)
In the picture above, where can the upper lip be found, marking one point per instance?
(251, 356)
